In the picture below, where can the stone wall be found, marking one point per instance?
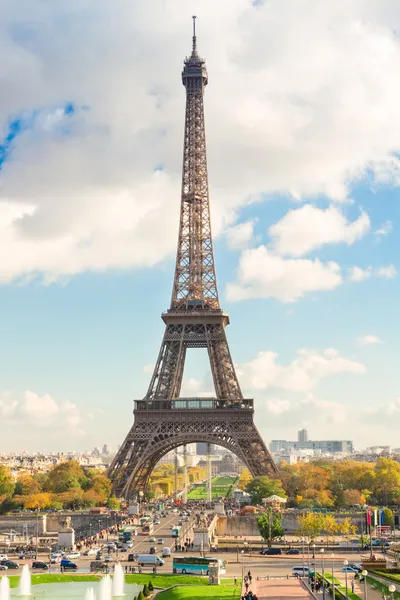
(237, 526)
(84, 524)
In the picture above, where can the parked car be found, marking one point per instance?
(301, 571)
(349, 569)
(68, 564)
(3, 568)
(271, 551)
(38, 564)
(72, 555)
(356, 566)
(3, 557)
(293, 551)
(10, 564)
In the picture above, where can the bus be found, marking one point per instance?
(196, 564)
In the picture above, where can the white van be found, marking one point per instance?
(166, 552)
(150, 559)
(302, 571)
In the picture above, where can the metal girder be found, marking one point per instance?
(194, 320)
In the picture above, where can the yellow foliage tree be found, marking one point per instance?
(38, 501)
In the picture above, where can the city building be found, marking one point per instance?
(322, 446)
(302, 435)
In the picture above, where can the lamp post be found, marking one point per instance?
(333, 577)
(392, 589)
(323, 573)
(37, 533)
(242, 553)
(302, 550)
(90, 530)
(364, 574)
(345, 564)
(308, 557)
(107, 517)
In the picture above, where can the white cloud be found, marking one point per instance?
(240, 235)
(389, 272)
(369, 340)
(357, 274)
(303, 374)
(41, 412)
(308, 411)
(384, 230)
(291, 108)
(304, 229)
(261, 274)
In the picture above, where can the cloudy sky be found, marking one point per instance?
(303, 133)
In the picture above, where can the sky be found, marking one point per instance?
(303, 138)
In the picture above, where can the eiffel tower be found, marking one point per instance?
(163, 420)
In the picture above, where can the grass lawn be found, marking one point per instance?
(159, 581)
(220, 487)
(217, 592)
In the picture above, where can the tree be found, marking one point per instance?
(150, 586)
(263, 487)
(66, 476)
(92, 498)
(37, 501)
(102, 485)
(113, 503)
(270, 526)
(71, 499)
(388, 517)
(310, 525)
(141, 596)
(7, 485)
(330, 526)
(26, 484)
(146, 590)
(353, 498)
(387, 480)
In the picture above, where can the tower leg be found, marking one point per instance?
(209, 474)
(185, 475)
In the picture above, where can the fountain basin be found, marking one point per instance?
(74, 590)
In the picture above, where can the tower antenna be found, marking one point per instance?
(194, 48)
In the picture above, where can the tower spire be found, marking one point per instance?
(194, 39)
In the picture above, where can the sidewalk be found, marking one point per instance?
(281, 589)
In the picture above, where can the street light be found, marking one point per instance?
(333, 577)
(242, 553)
(364, 574)
(345, 564)
(323, 573)
(392, 589)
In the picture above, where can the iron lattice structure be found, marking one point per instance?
(163, 420)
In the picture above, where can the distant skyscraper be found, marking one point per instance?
(302, 436)
(106, 450)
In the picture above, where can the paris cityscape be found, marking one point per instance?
(147, 449)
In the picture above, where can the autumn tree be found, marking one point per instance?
(38, 501)
(310, 525)
(27, 485)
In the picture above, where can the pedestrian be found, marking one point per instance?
(235, 580)
(246, 585)
(352, 586)
(383, 596)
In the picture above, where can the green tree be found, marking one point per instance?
(26, 485)
(387, 480)
(270, 526)
(388, 517)
(102, 485)
(66, 476)
(7, 485)
(113, 503)
(150, 586)
(141, 596)
(263, 487)
(146, 590)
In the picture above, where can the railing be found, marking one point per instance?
(194, 404)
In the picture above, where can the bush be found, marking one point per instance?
(146, 590)
(150, 586)
(141, 596)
